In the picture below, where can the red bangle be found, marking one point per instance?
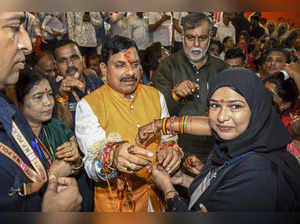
(165, 126)
(180, 125)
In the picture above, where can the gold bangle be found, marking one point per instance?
(175, 96)
(62, 99)
(78, 167)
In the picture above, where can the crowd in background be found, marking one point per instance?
(75, 53)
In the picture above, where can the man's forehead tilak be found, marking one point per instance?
(130, 55)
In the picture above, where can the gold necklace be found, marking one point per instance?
(49, 145)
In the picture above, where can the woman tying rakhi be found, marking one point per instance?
(249, 169)
(54, 140)
(195, 125)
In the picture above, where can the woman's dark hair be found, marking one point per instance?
(286, 89)
(28, 78)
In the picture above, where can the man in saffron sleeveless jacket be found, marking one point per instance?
(107, 123)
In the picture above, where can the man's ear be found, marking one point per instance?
(103, 68)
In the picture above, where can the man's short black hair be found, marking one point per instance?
(286, 53)
(92, 57)
(114, 45)
(218, 43)
(62, 43)
(226, 39)
(235, 52)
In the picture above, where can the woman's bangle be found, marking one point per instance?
(77, 168)
(62, 99)
(164, 122)
(174, 95)
(171, 128)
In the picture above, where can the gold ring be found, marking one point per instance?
(129, 169)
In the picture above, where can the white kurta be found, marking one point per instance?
(89, 131)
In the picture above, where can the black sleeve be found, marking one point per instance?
(176, 204)
(251, 186)
(163, 81)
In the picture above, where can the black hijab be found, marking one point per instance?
(265, 132)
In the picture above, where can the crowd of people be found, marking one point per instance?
(148, 112)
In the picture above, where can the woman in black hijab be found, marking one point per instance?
(250, 169)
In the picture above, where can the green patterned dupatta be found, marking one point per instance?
(54, 133)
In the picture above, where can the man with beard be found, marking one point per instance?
(75, 84)
(183, 78)
(23, 174)
(107, 123)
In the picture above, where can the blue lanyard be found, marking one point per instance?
(35, 145)
(233, 160)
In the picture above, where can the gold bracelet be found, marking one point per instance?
(78, 167)
(175, 96)
(62, 99)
